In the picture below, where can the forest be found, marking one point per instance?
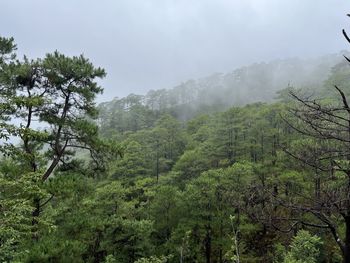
(247, 166)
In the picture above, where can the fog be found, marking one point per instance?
(153, 44)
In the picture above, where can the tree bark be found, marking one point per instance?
(35, 216)
(208, 245)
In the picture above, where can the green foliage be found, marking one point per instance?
(7, 54)
(16, 203)
(133, 164)
(305, 248)
(58, 92)
(168, 173)
(153, 259)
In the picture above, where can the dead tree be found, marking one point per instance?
(326, 122)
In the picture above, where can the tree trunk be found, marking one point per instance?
(208, 245)
(35, 216)
(221, 237)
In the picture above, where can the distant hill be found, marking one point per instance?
(258, 82)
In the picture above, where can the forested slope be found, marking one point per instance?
(144, 182)
(254, 83)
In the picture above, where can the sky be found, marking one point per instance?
(154, 44)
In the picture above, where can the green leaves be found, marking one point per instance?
(216, 188)
(305, 248)
(16, 206)
(154, 259)
(57, 93)
(7, 48)
(46, 114)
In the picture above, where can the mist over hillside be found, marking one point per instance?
(258, 82)
(191, 131)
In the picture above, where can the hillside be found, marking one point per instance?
(214, 170)
(258, 82)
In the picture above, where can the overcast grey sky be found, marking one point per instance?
(151, 44)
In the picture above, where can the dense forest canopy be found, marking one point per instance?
(249, 166)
